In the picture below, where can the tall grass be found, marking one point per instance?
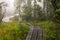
(13, 31)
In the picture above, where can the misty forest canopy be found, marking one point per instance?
(34, 9)
(48, 10)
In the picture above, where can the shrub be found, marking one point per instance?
(11, 31)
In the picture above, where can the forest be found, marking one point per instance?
(16, 22)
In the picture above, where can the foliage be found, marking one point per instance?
(56, 19)
(11, 31)
(57, 15)
(49, 28)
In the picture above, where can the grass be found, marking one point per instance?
(13, 31)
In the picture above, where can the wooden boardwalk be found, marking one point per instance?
(35, 33)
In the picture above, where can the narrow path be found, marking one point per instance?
(35, 33)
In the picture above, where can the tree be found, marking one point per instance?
(49, 9)
(28, 9)
(56, 5)
(0, 14)
(57, 12)
(18, 9)
(33, 12)
(2, 4)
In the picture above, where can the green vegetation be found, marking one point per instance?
(11, 31)
(49, 28)
(48, 18)
(56, 19)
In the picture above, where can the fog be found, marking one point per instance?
(10, 8)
